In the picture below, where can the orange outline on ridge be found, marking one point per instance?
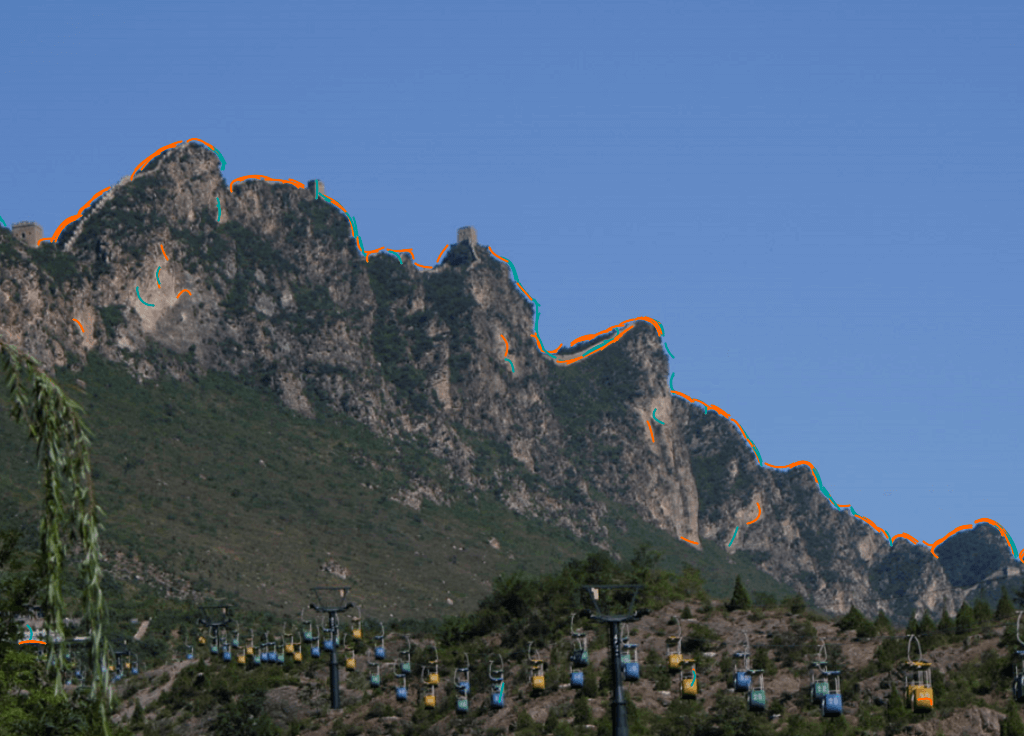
(79, 324)
(716, 409)
(153, 155)
(650, 429)
(695, 544)
(69, 220)
(506, 344)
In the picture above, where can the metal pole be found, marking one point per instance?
(619, 725)
(335, 694)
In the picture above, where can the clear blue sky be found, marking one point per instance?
(821, 202)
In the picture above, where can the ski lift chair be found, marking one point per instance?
(462, 688)
(757, 701)
(688, 673)
(497, 677)
(832, 703)
(917, 678)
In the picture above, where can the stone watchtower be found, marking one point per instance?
(467, 234)
(28, 233)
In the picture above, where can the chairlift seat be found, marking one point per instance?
(350, 664)
(497, 700)
(298, 655)
(406, 668)
(401, 693)
(632, 671)
(374, 679)
(675, 662)
(289, 649)
(241, 659)
(433, 678)
(357, 634)
(462, 705)
(249, 651)
(742, 682)
(329, 644)
(690, 686)
(226, 655)
(430, 701)
(316, 652)
(307, 636)
(819, 690)
(576, 680)
(379, 653)
(832, 705)
(756, 701)
(538, 682)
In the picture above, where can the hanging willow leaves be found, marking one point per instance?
(55, 425)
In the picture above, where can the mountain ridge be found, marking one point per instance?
(281, 289)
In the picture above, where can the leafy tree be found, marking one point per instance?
(982, 611)
(796, 604)
(691, 583)
(854, 619)
(740, 601)
(54, 423)
(964, 619)
(762, 661)
(1012, 726)
(1004, 608)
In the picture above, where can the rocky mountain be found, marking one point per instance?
(263, 280)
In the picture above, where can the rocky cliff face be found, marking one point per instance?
(271, 284)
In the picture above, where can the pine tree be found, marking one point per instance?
(965, 619)
(925, 624)
(946, 623)
(1004, 608)
(982, 611)
(740, 600)
(882, 622)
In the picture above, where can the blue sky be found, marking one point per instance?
(820, 202)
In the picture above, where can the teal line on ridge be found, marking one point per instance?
(223, 163)
(670, 382)
(396, 255)
(2, 222)
(158, 275)
(218, 209)
(668, 351)
(140, 298)
(758, 453)
(510, 363)
(601, 344)
(655, 415)
(734, 536)
(514, 274)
